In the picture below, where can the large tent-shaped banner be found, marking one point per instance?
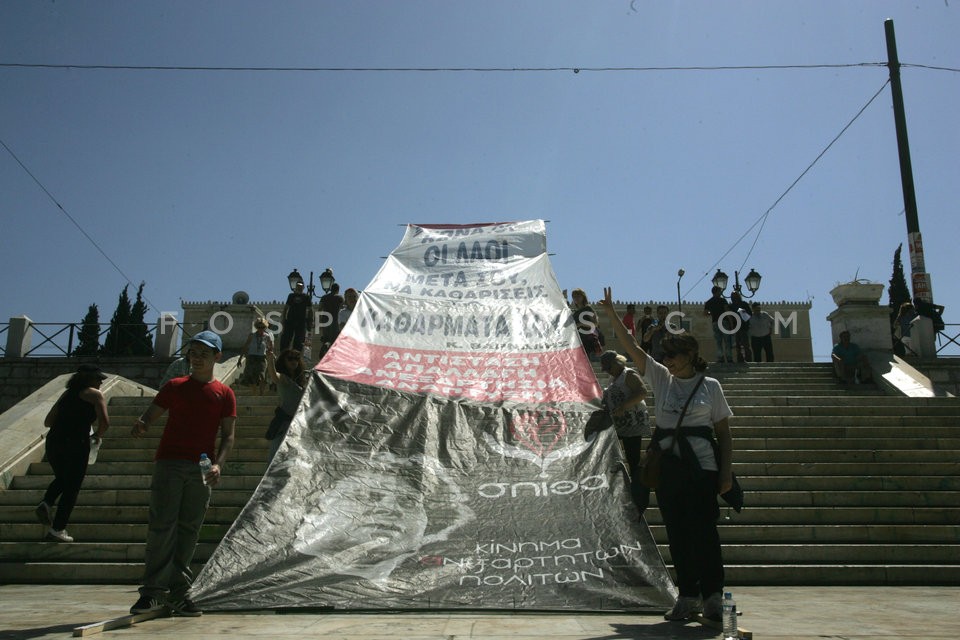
(438, 459)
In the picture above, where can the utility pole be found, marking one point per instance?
(922, 286)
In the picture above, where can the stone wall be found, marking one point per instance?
(19, 377)
(792, 341)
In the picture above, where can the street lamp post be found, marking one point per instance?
(720, 279)
(679, 304)
(326, 281)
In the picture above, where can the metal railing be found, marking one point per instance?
(944, 339)
(62, 339)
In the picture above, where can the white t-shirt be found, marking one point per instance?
(707, 408)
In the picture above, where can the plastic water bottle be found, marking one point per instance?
(205, 466)
(730, 630)
(94, 449)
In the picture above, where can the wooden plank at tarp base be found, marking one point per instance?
(119, 623)
(713, 624)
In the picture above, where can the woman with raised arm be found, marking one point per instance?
(695, 467)
(287, 372)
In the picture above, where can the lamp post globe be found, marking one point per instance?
(753, 281)
(294, 279)
(327, 280)
(720, 279)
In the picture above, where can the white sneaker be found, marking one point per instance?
(684, 609)
(58, 536)
(713, 607)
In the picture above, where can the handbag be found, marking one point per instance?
(734, 497)
(650, 465)
(280, 421)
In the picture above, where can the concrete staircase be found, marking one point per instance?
(844, 486)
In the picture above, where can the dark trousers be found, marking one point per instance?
(687, 499)
(633, 449)
(764, 343)
(294, 335)
(68, 457)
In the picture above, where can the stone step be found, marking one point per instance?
(844, 498)
(241, 452)
(98, 532)
(128, 514)
(916, 423)
(848, 435)
(139, 497)
(803, 554)
(848, 455)
(813, 410)
(80, 551)
(812, 444)
(145, 468)
(117, 481)
(826, 484)
(885, 469)
(732, 532)
(839, 515)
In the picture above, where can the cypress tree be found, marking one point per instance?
(899, 293)
(89, 339)
(117, 342)
(141, 343)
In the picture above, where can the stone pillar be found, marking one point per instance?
(19, 337)
(168, 336)
(859, 312)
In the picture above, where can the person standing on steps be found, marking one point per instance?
(68, 446)
(761, 333)
(287, 372)
(696, 467)
(724, 326)
(624, 399)
(255, 348)
(199, 407)
(295, 315)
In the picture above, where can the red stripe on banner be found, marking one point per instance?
(557, 376)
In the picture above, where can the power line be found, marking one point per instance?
(71, 218)
(124, 67)
(927, 66)
(762, 220)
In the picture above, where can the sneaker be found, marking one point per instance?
(185, 608)
(58, 536)
(713, 607)
(146, 604)
(44, 514)
(684, 609)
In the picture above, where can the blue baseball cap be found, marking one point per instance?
(210, 339)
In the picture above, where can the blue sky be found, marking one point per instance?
(202, 183)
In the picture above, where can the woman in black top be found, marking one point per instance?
(68, 446)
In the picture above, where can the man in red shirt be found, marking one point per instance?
(199, 406)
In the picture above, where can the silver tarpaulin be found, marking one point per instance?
(439, 458)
